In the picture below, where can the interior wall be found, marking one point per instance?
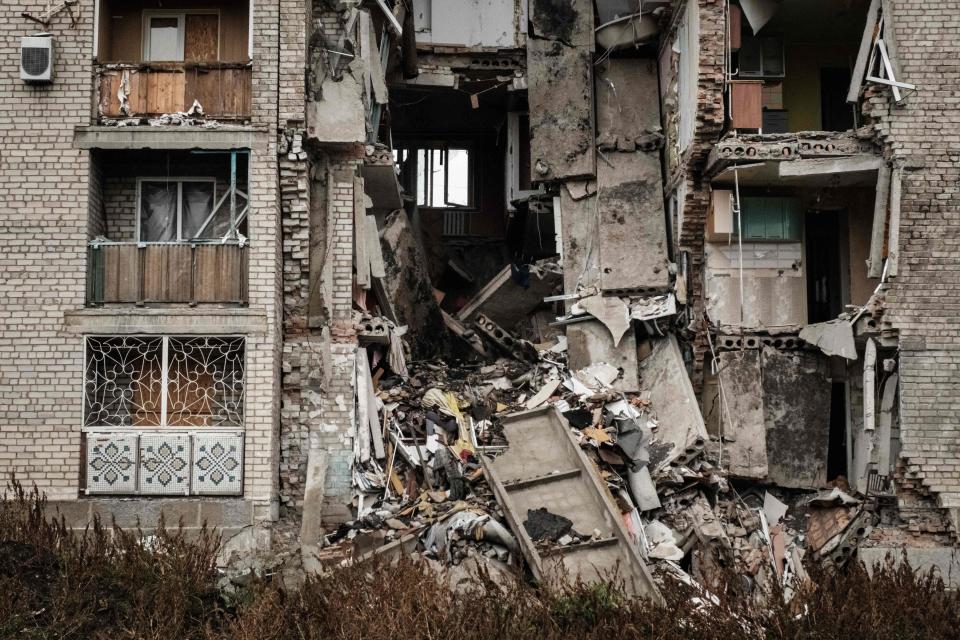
(120, 33)
(801, 83)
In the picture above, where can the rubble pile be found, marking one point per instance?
(430, 434)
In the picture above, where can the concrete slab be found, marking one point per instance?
(632, 228)
(945, 561)
(744, 430)
(169, 137)
(590, 342)
(623, 89)
(507, 302)
(560, 95)
(581, 254)
(833, 338)
(665, 383)
(796, 408)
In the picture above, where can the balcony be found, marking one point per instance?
(166, 273)
(155, 58)
(152, 89)
(168, 228)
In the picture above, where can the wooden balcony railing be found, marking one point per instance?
(153, 89)
(166, 273)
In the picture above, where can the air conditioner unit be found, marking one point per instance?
(36, 58)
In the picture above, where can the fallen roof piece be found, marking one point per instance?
(545, 466)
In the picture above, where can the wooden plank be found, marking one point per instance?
(219, 273)
(109, 85)
(166, 273)
(121, 282)
(736, 27)
(746, 104)
(201, 37)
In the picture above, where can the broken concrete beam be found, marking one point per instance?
(560, 95)
(373, 330)
(467, 335)
(518, 349)
(408, 288)
(796, 410)
(833, 338)
(741, 413)
(664, 383)
(506, 302)
(544, 465)
(632, 228)
(590, 342)
(313, 495)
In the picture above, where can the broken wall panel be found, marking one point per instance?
(624, 88)
(742, 417)
(568, 21)
(559, 91)
(335, 119)
(581, 265)
(665, 384)
(796, 408)
(632, 227)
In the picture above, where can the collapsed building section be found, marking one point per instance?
(344, 263)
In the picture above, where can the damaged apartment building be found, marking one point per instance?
(650, 284)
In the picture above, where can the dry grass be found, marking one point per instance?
(109, 583)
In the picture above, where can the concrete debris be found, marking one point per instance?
(611, 311)
(834, 338)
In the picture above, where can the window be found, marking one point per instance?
(761, 58)
(162, 415)
(164, 381)
(175, 37)
(444, 175)
(177, 209)
(164, 38)
(770, 219)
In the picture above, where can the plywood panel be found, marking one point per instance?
(746, 104)
(201, 37)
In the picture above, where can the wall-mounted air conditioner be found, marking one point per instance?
(36, 58)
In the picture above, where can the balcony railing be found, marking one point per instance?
(166, 273)
(148, 90)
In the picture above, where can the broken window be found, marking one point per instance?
(175, 37)
(177, 209)
(444, 177)
(144, 381)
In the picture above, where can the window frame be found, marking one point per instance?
(181, 16)
(179, 213)
(412, 149)
(165, 373)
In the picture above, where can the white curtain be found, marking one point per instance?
(197, 205)
(158, 211)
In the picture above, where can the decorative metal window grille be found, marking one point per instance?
(133, 381)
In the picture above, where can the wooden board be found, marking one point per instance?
(201, 41)
(166, 273)
(121, 269)
(222, 92)
(219, 273)
(746, 100)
